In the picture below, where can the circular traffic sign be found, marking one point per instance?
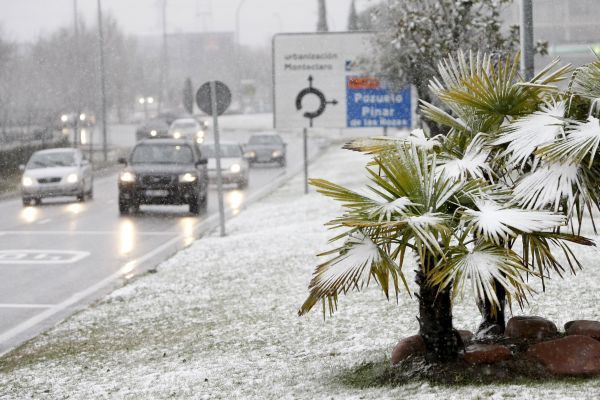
(204, 100)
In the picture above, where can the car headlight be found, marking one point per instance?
(199, 140)
(249, 154)
(153, 132)
(27, 181)
(277, 153)
(187, 178)
(177, 135)
(200, 134)
(127, 177)
(235, 168)
(72, 178)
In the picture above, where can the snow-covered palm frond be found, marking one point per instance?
(526, 134)
(353, 266)
(497, 224)
(442, 117)
(372, 145)
(377, 145)
(586, 80)
(426, 227)
(538, 250)
(548, 186)
(582, 140)
(483, 266)
(473, 163)
(418, 138)
(349, 198)
(384, 210)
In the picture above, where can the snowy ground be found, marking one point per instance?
(218, 321)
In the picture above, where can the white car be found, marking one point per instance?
(187, 128)
(234, 167)
(56, 173)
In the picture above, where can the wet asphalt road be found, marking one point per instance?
(61, 255)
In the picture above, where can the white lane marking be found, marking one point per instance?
(44, 221)
(41, 256)
(166, 233)
(79, 296)
(11, 305)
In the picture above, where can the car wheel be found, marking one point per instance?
(195, 206)
(37, 201)
(26, 201)
(204, 203)
(124, 205)
(123, 208)
(135, 206)
(243, 184)
(90, 193)
(198, 204)
(282, 162)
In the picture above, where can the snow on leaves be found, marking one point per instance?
(497, 224)
(528, 133)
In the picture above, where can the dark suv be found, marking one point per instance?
(163, 171)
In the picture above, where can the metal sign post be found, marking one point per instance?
(305, 144)
(213, 98)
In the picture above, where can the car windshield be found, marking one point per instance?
(57, 159)
(162, 154)
(227, 150)
(184, 125)
(265, 139)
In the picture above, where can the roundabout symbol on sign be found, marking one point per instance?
(322, 101)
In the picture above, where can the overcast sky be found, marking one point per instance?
(26, 20)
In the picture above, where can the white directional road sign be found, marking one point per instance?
(320, 80)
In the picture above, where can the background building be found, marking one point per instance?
(571, 28)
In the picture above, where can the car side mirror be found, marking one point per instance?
(21, 167)
(202, 161)
(122, 160)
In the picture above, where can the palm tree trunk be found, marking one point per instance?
(493, 318)
(435, 320)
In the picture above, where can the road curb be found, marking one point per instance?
(40, 323)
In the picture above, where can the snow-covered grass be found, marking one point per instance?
(218, 321)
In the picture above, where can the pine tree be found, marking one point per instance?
(322, 22)
(353, 24)
(188, 96)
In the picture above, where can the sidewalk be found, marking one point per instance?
(219, 320)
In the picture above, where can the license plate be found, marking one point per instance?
(157, 193)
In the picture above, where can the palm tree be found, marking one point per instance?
(458, 202)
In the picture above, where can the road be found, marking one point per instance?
(62, 255)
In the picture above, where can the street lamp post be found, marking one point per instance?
(527, 67)
(102, 84)
(164, 70)
(238, 58)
